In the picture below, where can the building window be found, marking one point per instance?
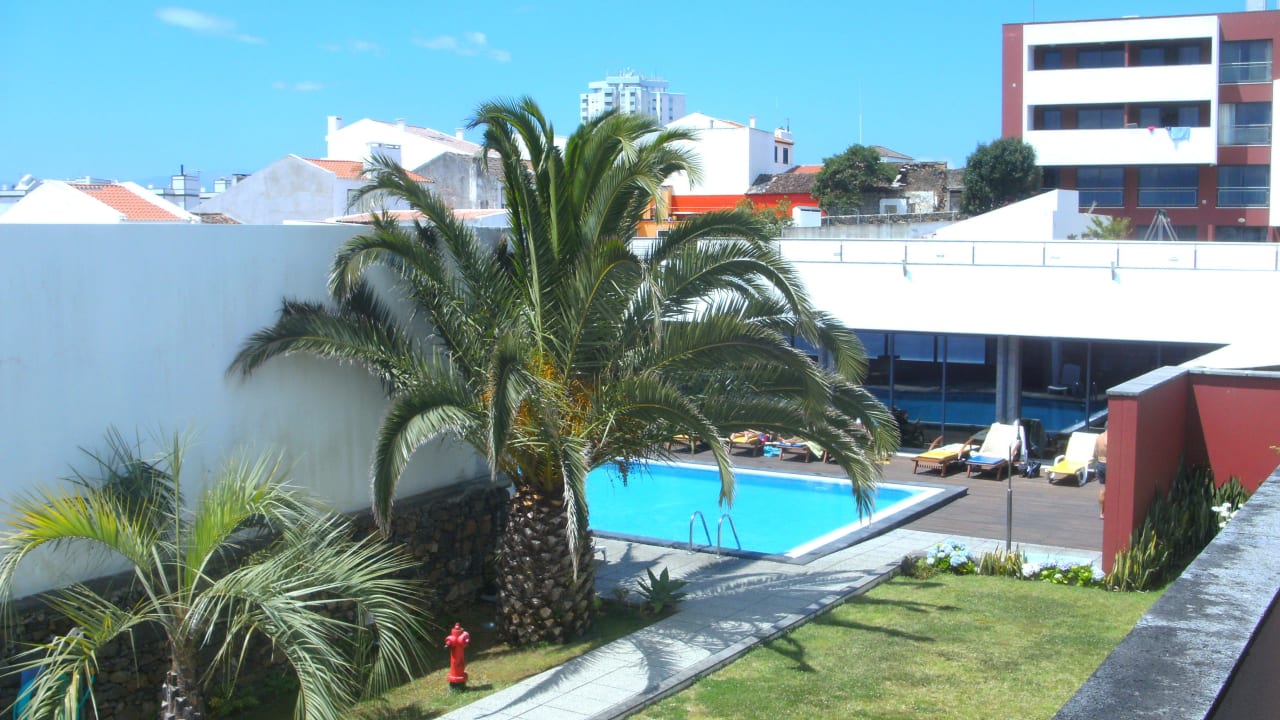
(1050, 178)
(1100, 117)
(1237, 233)
(1188, 53)
(1169, 116)
(1100, 186)
(1047, 59)
(1244, 123)
(786, 156)
(1104, 56)
(1245, 61)
(1186, 232)
(1243, 185)
(1047, 118)
(1162, 186)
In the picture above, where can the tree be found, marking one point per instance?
(776, 218)
(1106, 227)
(845, 177)
(561, 349)
(301, 558)
(998, 174)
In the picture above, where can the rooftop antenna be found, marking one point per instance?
(859, 112)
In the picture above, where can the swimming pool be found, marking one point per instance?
(786, 515)
(978, 409)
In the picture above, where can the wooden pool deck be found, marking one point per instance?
(1043, 514)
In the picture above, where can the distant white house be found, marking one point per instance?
(417, 145)
(732, 155)
(295, 189)
(98, 203)
(1054, 215)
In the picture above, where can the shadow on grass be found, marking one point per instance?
(908, 605)
(787, 647)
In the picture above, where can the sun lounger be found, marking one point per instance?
(688, 441)
(941, 457)
(995, 451)
(798, 446)
(749, 439)
(1076, 461)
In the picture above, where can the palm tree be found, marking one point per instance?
(562, 348)
(253, 558)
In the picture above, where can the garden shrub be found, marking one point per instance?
(1178, 526)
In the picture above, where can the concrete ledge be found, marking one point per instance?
(1192, 654)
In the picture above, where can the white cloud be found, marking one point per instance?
(471, 44)
(353, 46)
(205, 24)
(302, 87)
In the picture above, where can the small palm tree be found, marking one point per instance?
(253, 558)
(563, 348)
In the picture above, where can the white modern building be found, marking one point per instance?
(732, 155)
(631, 93)
(1142, 114)
(418, 145)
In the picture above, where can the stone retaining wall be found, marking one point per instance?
(452, 532)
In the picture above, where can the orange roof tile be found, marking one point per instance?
(353, 169)
(807, 169)
(127, 202)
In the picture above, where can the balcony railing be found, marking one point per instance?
(1246, 135)
(1232, 197)
(1245, 72)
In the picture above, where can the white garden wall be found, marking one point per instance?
(134, 326)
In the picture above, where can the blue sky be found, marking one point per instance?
(132, 90)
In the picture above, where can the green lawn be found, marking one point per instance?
(491, 666)
(946, 647)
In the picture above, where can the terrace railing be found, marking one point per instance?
(1242, 256)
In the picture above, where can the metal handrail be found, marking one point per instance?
(720, 527)
(698, 514)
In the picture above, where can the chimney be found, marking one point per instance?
(752, 122)
(458, 133)
(335, 123)
(400, 124)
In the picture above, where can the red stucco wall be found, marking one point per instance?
(1228, 421)
(1146, 437)
(1232, 423)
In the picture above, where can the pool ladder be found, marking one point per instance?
(697, 515)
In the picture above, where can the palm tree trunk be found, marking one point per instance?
(180, 696)
(539, 599)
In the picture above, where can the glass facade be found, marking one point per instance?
(947, 383)
(1164, 186)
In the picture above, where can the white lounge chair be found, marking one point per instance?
(996, 452)
(1076, 461)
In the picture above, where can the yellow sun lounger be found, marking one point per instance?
(1077, 460)
(941, 456)
(749, 439)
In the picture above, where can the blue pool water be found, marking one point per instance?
(979, 409)
(774, 513)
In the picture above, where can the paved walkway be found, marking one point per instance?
(733, 604)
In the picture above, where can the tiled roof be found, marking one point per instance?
(463, 214)
(462, 146)
(128, 203)
(217, 219)
(891, 155)
(353, 169)
(798, 179)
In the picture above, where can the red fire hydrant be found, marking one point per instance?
(457, 643)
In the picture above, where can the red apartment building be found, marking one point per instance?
(1148, 114)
